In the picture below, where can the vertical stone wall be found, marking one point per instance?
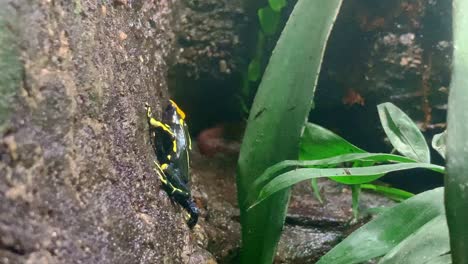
(76, 183)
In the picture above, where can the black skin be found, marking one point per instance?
(174, 160)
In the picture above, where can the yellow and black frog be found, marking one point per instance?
(171, 142)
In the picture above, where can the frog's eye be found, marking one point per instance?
(179, 111)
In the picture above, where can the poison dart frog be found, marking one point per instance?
(171, 142)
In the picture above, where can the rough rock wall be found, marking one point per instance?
(76, 183)
(211, 56)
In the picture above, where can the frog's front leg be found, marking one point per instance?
(157, 127)
(155, 123)
(148, 110)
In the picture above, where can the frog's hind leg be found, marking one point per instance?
(173, 191)
(192, 211)
(160, 170)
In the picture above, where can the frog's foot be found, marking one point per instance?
(192, 213)
(148, 110)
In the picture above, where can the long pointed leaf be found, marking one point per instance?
(277, 117)
(273, 171)
(392, 193)
(276, 169)
(349, 175)
(380, 235)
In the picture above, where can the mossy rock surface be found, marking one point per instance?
(10, 66)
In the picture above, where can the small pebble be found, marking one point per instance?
(122, 36)
(103, 10)
(223, 66)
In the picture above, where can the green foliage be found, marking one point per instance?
(277, 5)
(456, 195)
(316, 189)
(320, 143)
(355, 192)
(403, 133)
(254, 70)
(357, 175)
(287, 165)
(322, 152)
(400, 234)
(428, 242)
(274, 170)
(269, 20)
(439, 142)
(392, 193)
(282, 101)
(412, 230)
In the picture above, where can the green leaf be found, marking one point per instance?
(316, 189)
(355, 193)
(389, 229)
(439, 143)
(254, 69)
(277, 5)
(404, 135)
(260, 47)
(428, 242)
(319, 143)
(269, 20)
(444, 259)
(392, 193)
(456, 183)
(346, 175)
(274, 170)
(283, 100)
(376, 210)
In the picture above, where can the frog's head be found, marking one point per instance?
(177, 109)
(173, 113)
